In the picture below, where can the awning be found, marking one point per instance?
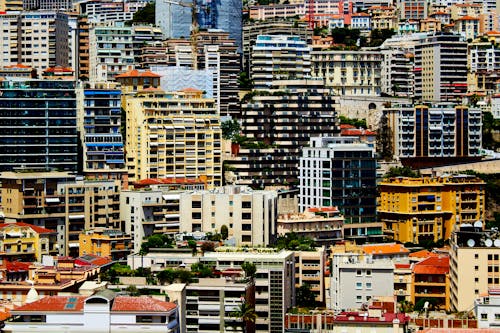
(80, 216)
(14, 234)
(167, 216)
(208, 307)
(52, 200)
(72, 245)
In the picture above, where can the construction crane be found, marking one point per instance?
(194, 27)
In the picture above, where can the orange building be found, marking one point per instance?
(431, 282)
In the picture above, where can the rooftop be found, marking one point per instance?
(433, 265)
(384, 249)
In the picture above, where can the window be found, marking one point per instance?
(196, 215)
(484, 316)
(368, 272)
(246, 216)
(246, 238)
(476, 256)
(359, 298)
(196, 204)
(476, 268)
(359, 285)
(368, 285)
(358, 272)
(497, 316)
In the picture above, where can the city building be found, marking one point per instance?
(484, 63)
(100, 124)
(249, 215)
(25, 242)
(383, 17)
(323, 224)
(83, 46)
(487, 308)
(109, 243)
(393, 251)
(474, 264)
(210, 304)
(274, 282)
(432, 135)
(397, 72)
(38, 126)
(177, 19)
(339, 171)
(441, 68)
(357, 279)
(279, 57)
(350, 73)
(102, 312)
(172, 135)
(403, 282)
(431, 280)
(277, 127)
(467, 27)
(111, 51)
(310, 269)
(61, 202)
(427, 208)
(412, 9)
(272, 26)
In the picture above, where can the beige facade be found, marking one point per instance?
(348, 72)
(310, 267)
(173, 135)
(249, 215)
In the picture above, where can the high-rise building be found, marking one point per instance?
(172, 135)
(38, 124)
(339, 171)
(279, 57)
(249, 215)
(434, 134)
(397, 72)
(100, 114)
(176, 18)
(274, 283)
(474, 264)
(422, 209)
(441, 68)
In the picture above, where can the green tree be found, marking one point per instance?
(244, 81)
(401, 172)
(384, 139)
(305, 297)
(145, 14)
(132, 290)
(166, 276)
(345, 36)
(292, 241)
(224, 231)
(184, 276)
(207, 247)
(405, 306)
(201, 270)
(490, 125)
(230, 129)
(250, 269)
(192, 244)
(246, 313)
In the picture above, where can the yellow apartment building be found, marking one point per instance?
(427, 208)
(22, 241)
(108, 243)
(173, 135)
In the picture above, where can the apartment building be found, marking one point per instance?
(397, 76)
(419, 209)
(323, 224)
(249, 215)
(102, 312)
(357, 279)
(153, 207)
(277, 126)
(272, 26)
(83, 46)
(109, 243)
(484, 63)
(431, 279)
(210, 304)
(441, 68)
(412, 9)
(486, 308)
(279, 57)
(60, 202)
(38, 125)
(274, 282)
(350, 73)
(383, 17)
(468, 27)
(403, 282)
(474, 264)
(172, 135)
(111, 51)
(339, 171)
(22, 241)
(100, 123)
(434, 134)
(310, 269)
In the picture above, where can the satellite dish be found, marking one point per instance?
(496, 243)
(488, 242)
(478, 224)
(471, 243)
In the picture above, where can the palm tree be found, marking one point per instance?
(247, 314)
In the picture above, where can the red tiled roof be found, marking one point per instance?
(152, 181)
(467, 18)
(17, 266)
(5, 315)
(90, 259)
(35, 228)
(402, 265)
(191, 90)
(18, 66)
(136, 73)
(346, 126)
(322, 209)
(357, 132)
(390, 248)
(141, 304)
(493, 32)
(54, 304)
(351, 317)
(433, 265)
(59, 69)
(423, 254)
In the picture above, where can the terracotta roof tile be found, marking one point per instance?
(136, 73)
(390, 248)
(433, 265)
(54, 304)
(17, 266)
(423, 254)
(35, 228)
(4, 315)
(141, 304)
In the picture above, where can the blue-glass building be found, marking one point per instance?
(38, 127)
